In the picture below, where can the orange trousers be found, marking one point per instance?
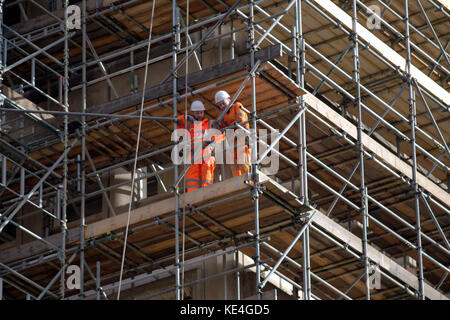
(200, 175)
(242, 164)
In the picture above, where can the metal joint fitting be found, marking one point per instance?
(298, 220)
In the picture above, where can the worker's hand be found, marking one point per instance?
(215, 124)
(206, 143)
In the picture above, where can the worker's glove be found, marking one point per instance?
(215, 124)
(206, 143)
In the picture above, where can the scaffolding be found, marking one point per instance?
(357, 89)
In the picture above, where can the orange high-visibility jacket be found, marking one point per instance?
(197, 130)
(235, 113)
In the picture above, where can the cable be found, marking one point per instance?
(137, 149)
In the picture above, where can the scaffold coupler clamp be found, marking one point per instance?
(172, 189)
(191, 209)
(362, 261)
(301, 218)
(352, 36)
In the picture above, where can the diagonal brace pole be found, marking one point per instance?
(433, 32)
(435, 221)
(202, 41)
(431, 116)
(17, 274)
(102, 66)
(56, 277)
(282, 14)
(277, 139)
(99, 181)
(33, 190)
(41, 50)
(288, 249)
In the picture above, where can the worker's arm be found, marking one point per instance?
(211, 137)
(241, 116)
(179, 123)
(183, 122)
(218, 124)
(190, 118)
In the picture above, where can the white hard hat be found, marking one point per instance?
(197, 105)
(221, 95)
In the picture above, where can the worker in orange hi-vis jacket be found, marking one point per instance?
(235, 114)
(201, 170)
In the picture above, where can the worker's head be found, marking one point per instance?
(222, 99)
(198, 110)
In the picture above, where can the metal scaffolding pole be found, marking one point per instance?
(2, 62)
(65, 163)
(254, 151)
(175, 48)
(363, 189)
(83, 152)
(412, 122)
(299, 58)
(297, 55)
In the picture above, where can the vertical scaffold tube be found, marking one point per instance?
(2, 63)
(175, 36)
(83, 153)
(362, 189)
(66, 140)
(254, 151)
(300, 72)
(412, 120)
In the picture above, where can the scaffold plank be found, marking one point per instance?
(396, 59)
(24, 103)
(37, 247)
(378, 257)
(445, 3)
(165, 206)
(196, 78)
(381, 152)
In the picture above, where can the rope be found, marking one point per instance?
(137, 149)
(185, 116)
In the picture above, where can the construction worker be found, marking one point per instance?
(234, 115)
(201, 170)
